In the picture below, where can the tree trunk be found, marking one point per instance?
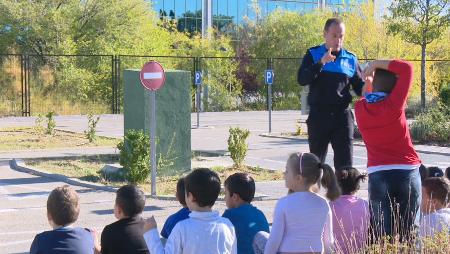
(423, 84)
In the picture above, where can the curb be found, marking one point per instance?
(19, 165)
(357, 143)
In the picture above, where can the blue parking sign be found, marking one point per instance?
(198, 77)
(269, 77)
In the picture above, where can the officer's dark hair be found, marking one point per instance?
(384, 81)
(204, 185)
(349, 179)
(332, 21)
(130, 199)
(241, 184)
(438, 188)
(181, 192)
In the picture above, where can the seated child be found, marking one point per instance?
(182, 214)
(392, 162)
(125, 235)
(350, 214)
(62, 211)
(205, 231)
(302, 220)
(435, 206)
(247, 219)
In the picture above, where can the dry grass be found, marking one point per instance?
(26, 138)
(89, 169)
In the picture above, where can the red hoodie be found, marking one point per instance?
(384, 128)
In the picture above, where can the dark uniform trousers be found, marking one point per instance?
(335, 126)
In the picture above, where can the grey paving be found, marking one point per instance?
(23, 196)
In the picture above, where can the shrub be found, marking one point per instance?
(135, 156)
(92, 128)
(444, 95)
(237, 145)
(39, 124)
(432, 125)
(51, 124)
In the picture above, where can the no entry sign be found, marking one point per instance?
(152, 76)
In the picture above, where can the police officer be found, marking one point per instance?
(331, 71)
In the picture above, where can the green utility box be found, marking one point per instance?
(173, 117)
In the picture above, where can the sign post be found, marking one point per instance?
(198, 83)
(269, 82)
(152, 78)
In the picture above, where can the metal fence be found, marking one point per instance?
(82, 84)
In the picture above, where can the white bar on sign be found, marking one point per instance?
(153, 75)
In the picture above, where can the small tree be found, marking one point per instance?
(92, 128)
(419, 22)
(135, 156)
(51, 124)
(237, 145)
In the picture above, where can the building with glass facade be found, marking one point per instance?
(226, 12)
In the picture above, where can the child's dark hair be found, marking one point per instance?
(181, 192)
(204, 185)
(313, 171)
(63, 206)
(332, 21)
(241, 184)
(383, 81)
(447, 173)
(423, 171)
(349, 180)
(435, 172)
(438, 188)
(130, 199)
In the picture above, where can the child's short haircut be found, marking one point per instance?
(63, 206)
(180, 192)
(438, 188)
(383, 81)
(204, 185)
(130, 199)
(349, 180)
(242, 184)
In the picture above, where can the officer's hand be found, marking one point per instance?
(327, 57)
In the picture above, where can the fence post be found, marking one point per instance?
(113, 82)
(25, 80)
(115, 78)
(118, 85)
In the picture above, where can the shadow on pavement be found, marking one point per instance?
(111, 211)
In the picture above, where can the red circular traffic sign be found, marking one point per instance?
(152, 76)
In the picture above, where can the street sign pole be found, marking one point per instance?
(152, 140)
(152, 78)
(269, 81)
(198, 83)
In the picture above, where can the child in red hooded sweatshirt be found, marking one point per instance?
(393, 164)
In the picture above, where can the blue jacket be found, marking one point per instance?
(330, 83)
